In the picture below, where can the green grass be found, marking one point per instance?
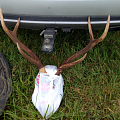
(91, 89)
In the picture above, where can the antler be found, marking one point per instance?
(66, 64)
(13, 35)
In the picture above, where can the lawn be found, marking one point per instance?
(91, 88)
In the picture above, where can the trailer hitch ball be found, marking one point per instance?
(47, 45)
(49, 36)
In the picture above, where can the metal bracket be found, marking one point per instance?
(49, 36)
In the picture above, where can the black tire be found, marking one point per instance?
(5, 82)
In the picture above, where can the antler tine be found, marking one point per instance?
(61, 68)
(13, 35)
(91, 44)
(33, 61)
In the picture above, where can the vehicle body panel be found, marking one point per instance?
(40, 14)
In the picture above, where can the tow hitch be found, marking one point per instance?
(49, 36)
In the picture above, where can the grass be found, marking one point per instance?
(91, 89)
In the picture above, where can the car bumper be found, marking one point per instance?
(35, 22)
